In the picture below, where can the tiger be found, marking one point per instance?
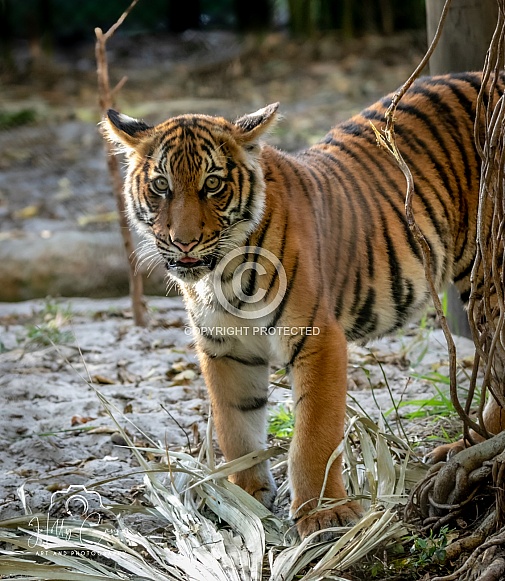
(321, 243)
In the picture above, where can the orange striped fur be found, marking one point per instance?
(333, 215)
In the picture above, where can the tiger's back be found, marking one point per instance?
(331, 221)
(353, 195)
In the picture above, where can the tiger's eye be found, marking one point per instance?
(160, 184)
(213, 183)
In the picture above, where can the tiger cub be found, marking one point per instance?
(293, 255)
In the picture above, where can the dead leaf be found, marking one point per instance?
(184, 377)
(77, 420)
(26, 212)
(104, 217)
(102, 430)
(55, 486)
(126, 377)
(180, 367)
(102, 379)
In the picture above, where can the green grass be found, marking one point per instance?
(281, 423)
(440, 404)
(413, 556)
(49, 330)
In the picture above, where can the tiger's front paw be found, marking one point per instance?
(444, 452)
(258, 483)
(317, 520)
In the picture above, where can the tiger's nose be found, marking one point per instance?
(185, 246)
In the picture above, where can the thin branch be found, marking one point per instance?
(106, 100)
(121, 19)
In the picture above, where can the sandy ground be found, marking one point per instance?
(56, 433)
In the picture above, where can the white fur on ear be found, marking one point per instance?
(256, 124)
(124, 130)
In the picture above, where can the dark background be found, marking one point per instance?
(67, 21)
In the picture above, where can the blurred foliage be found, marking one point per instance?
(10, 119)
(66, 20)
(353, 18)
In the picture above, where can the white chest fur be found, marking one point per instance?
(230, 333)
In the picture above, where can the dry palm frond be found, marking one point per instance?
(213, 530)
(377, 465)
(376, 529)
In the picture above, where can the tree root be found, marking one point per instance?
(449, 487)
(471, 565)
(494, 572)
(470, 486)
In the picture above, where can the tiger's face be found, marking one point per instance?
(194, 185)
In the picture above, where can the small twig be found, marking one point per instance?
(178, 425)
(120, 21)
(106, 100)
(118, 87)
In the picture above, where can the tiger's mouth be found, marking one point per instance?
(188, 263)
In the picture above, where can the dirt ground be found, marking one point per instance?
(54, 355)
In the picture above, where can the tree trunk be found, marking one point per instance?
(465, 38)
(463, 45)
(300, 17)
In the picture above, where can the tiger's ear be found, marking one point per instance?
(254, 125)
(124, 130)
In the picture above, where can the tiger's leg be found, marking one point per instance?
(238, 392)
(320, 386)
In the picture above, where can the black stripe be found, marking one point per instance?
(402, 304)
(285, 298)
(411, 139)
(302, 182)
(341, 197)
(252, 282)
(252, 361)
(378, 185)
(454, 125)
(465, 273)
(252, 404)
(357, 292)
(395, 269)
(303, 338)
(366, 321)
(466, 104)
(212, 338)
(280, 257)
(465, 295)
(439, 140)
